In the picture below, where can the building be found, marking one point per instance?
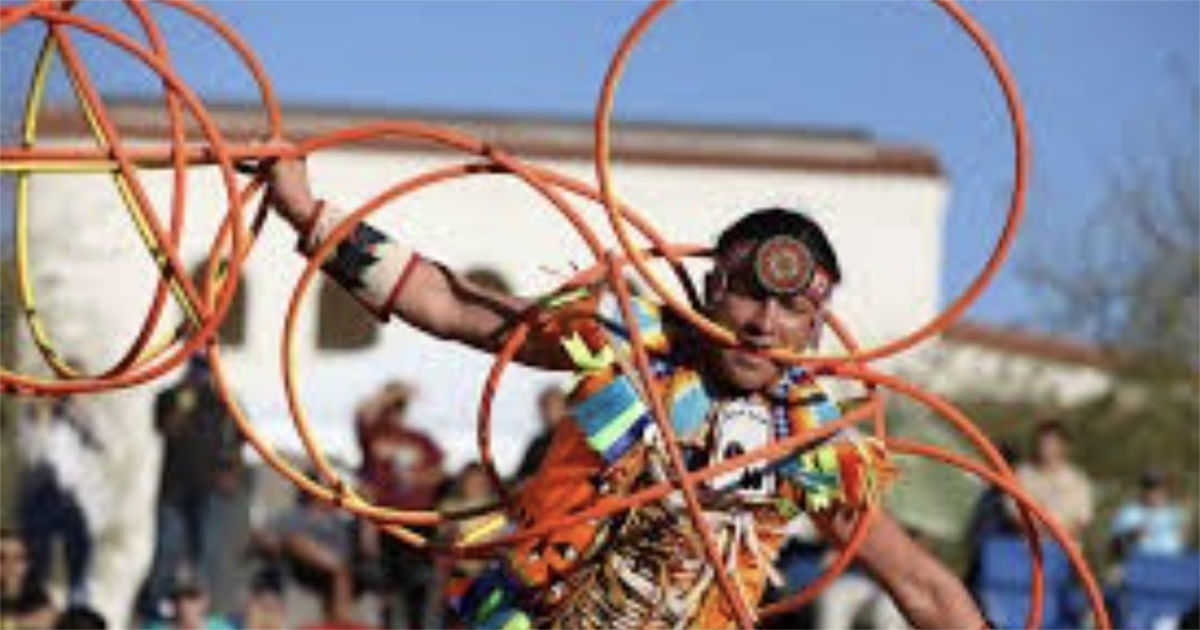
(883, 205)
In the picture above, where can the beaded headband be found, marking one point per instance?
(784, 265)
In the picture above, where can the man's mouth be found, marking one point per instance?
(749, 357)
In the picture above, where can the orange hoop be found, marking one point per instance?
(234, 241)
(720, 334)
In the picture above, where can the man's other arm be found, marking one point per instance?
(928, 594)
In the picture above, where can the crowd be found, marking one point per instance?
(216, 562)
(310, 565)
(1151, 525)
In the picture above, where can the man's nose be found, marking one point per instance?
(764, 323)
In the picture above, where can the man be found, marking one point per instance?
(991, 516)
(80, 617)
(315, 543)
(60, 454)
(552, 407)
(264, 608)
(1154, 524)
(401, 465)
(190, 606)
(402, 469)
(772, 276)
(201, 497)
(24, 602)
(1054, 481)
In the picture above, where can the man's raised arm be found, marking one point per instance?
(390, 277)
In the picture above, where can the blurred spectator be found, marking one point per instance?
(1153, 524)
(24, 602)
(264, 608)
(401, 468)
(59, 452)
(202, 494)
(1190, 619)
(80, 617)
(469, 496)
(472, 490)
(336, 625)
(552, 406)
(1054, 481)
(990, 516)
(190, 606)
(315, 543)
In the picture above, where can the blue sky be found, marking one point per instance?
(1099, 79)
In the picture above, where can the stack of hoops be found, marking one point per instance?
(159, 348)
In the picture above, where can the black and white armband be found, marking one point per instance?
(368, 263)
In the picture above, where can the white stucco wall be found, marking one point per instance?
(887, 230)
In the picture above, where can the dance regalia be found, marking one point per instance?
(644, 567)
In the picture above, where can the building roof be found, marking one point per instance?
(779, 147)
(1035, 345)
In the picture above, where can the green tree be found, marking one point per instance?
(1130, 282)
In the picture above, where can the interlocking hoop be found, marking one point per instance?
(154, 351)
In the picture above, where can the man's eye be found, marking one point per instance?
(798, 305)
(741, 287)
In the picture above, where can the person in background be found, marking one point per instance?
(201, 481)
(80, 618)
(401, 469)
(24, 602)
(264, 609)
(190, 606)
(552, 407)
(990, 516)
(1054, 480)
(314, 542)
(471, 490)
(1153, 524)
(59, 451)
(401, 466)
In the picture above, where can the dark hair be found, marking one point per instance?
(1052, 427)
(80, 617)
(268, 580)
(1007, 451)
(1153, 478)
(768, 222)
(470, 468)
(550, 392)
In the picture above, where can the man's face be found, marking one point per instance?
(475, 485)
(1051, 448)
(1155, 494)
(396, 411)
(760, 321)
(265, 610)
(553, 407)
(191, 610)
(14, 564)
